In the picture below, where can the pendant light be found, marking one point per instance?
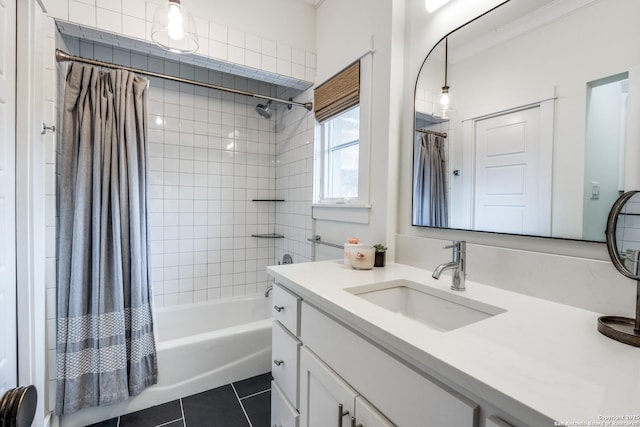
(174, 28)
(444, 98)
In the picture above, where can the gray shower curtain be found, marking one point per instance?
(105, 339)
(429, 191)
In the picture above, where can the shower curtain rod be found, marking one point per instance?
(62, 56)
(433, 132)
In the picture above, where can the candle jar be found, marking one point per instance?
(362, 258)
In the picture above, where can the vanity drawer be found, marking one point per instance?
(282, 413)
(286, 359)
(286, 309)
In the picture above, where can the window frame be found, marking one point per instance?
(320, 155)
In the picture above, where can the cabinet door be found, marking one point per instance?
(282, 413)
(321, 394)
(284, 350)
(368, 416)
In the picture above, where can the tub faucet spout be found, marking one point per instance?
(458, 265)
(268, 291)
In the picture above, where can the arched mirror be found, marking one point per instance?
(623, 244)
(534, 139)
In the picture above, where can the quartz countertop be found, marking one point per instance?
(540, 355)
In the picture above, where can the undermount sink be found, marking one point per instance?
(432, 307)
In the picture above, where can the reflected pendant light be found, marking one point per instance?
(444, 98)
(174, 28)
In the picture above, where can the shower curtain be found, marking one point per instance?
(429, 194)
(105, 340)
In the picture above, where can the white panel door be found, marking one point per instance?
(512, 172)
(321, 394)
(8, 334)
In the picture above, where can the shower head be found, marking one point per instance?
(263, 110)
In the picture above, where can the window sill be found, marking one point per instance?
(342, 212)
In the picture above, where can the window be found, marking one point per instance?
(342, 143)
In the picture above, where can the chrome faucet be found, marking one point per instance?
(458, 265)
(268, 291)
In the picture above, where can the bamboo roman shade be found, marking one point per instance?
(338, 94)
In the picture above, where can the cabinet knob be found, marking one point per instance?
(278, 362)
(341, 414)
(278, 308)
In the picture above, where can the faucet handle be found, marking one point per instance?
(455, 245)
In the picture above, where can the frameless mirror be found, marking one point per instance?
(534, 140)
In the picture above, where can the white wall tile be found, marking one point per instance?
(133, 27)
(236, 37)
(82, 13)
(253, 43)
(236, 55)
(284, 67)
(135, 8)
(269, 63)
(218, 50)
(269, 48)
(109, 20)
(283, 52)
(113, 5)
(298, 56)
(218, 32)
(58, 9)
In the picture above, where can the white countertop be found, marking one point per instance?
(546, 356)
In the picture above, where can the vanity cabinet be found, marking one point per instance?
(286, 357)
(405, 396)
(327, 400)
(320, 364)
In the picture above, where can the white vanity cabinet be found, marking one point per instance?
(403, 395)
(322, 367)
(286, 357)
(326, 400)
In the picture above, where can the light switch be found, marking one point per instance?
(595, 190)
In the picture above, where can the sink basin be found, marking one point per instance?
(432, 307)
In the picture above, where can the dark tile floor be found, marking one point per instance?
(245, 403)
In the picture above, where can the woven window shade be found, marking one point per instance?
(338, 94)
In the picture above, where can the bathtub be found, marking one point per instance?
(200, 346)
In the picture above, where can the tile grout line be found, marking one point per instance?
(184, 419)
(169, 422)
(241, 405)
(255, 394)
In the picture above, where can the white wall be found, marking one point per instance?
(345, 31)
(604, 138)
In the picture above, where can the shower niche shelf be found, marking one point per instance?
(268, 236)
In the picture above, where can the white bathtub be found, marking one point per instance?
(200, 346)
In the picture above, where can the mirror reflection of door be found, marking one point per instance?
(605, 147)
(512, 170)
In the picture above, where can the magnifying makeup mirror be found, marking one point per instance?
(623, 225)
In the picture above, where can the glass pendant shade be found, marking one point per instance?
(174, 28)
(444, 98)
